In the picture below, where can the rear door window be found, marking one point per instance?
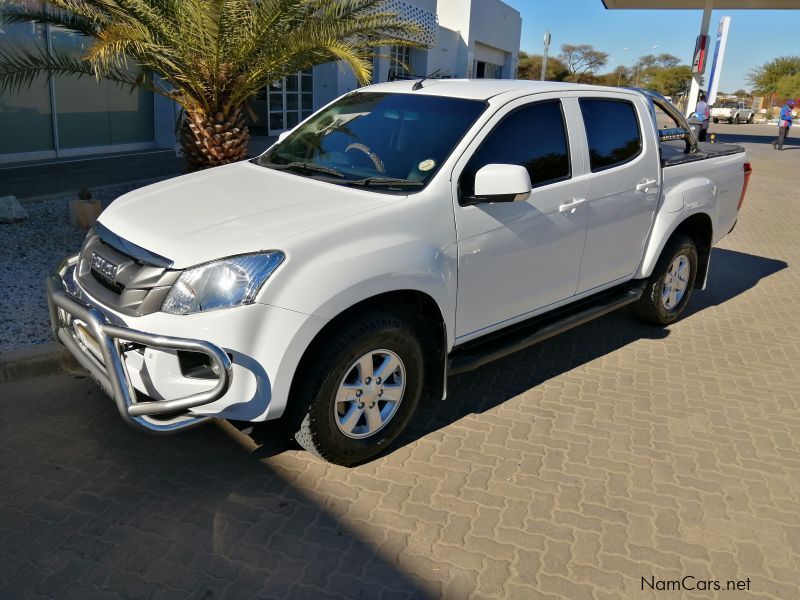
(612, 130)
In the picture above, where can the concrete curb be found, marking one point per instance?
(45, 359)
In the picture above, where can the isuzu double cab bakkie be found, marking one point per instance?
(404, 232)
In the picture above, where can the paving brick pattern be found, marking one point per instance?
(568, 471)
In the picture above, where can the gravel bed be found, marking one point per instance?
(29, 251)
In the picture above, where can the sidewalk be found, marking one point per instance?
(47, 178)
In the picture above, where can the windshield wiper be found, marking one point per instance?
(306, 166)
(390, 181)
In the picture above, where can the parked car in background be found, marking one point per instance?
(407, 231)
(733, 112)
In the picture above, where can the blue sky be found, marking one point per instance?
(754, 37)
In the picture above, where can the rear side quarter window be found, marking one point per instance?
(612, 132)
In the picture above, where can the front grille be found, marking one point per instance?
(113, 272)
(117, 288)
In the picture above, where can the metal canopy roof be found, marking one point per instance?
(701, 4)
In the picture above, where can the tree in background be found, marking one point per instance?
(530, 67)
(668, 81)
(658, 73)
(741, 93)
(766, 78)
(582, 62)
(788, 86)
(667, 61)
(211, 55)
(622, 76)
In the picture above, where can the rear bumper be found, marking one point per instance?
(99, 346)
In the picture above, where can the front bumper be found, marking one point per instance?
(99, 347)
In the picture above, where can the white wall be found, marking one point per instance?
(454, 15)
(489, 28)
(445, 56)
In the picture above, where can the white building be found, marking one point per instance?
(64, 117)
(462, 38)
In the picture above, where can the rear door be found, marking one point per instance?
(624, 178)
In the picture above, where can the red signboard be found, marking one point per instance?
(700, 49)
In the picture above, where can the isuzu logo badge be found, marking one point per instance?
(105, 267)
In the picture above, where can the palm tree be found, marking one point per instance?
(209, 56)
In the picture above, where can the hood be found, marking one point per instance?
(235, 209)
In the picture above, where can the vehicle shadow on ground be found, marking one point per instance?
(732, 273)
(93, 509)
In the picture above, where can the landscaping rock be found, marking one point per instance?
(11, 210)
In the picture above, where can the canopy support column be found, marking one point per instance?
(694, 90)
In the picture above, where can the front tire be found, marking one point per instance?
(357, 389)
(750, 120)
(716, 120)
(670, 286)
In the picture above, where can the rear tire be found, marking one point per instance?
(737, 120)
(338, 409)
(669, 288)
(716, 120)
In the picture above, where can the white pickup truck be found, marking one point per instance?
(732, 112)
(404, 232)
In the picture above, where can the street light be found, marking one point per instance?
(639, 55)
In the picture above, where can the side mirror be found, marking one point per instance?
(502, 183)
(283, 136)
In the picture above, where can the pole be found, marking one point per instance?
(694, 90)
(719, 55)
(543, 75)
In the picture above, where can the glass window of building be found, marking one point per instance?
(26, 120)
(399, 60)
(65, 115)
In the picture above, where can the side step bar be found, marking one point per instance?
(472, 355)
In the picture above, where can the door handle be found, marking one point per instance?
(571, 205)
(645, 185)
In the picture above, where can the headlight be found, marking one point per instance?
(221, 284)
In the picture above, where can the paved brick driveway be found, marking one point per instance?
(569, 471)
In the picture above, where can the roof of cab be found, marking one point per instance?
(483, 89)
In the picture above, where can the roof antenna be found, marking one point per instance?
(418, 85)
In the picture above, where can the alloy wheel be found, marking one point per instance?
(370, 393)
(675, 282)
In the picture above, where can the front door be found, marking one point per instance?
(623, 189)
(517, 257)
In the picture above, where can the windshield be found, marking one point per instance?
(391, 142)
(728, 105)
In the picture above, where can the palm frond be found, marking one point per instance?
(212, 54)
(57, 17)
(19, 70)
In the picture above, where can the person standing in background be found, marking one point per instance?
(784, 124)
(703, 113)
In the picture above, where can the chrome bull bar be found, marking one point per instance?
(109, 369)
